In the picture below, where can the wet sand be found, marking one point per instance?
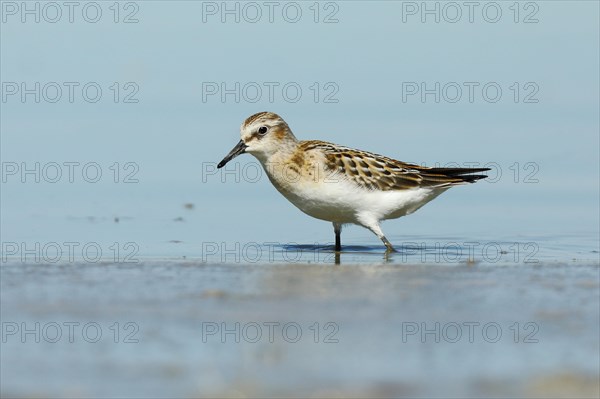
(304, 330)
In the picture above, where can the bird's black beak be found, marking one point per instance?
(240, 148)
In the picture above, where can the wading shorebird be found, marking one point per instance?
(340, 184)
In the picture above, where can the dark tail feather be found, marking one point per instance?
(472, 178)
(457, 171)
(460, 173)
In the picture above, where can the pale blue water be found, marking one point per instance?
(162, 240)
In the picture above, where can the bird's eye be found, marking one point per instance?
(262, 130)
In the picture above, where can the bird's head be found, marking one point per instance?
(262, 135)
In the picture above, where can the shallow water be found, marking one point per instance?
(369, 328)
(469, 314)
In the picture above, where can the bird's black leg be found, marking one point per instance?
(375, 228)
(337, 228)
(388, 245)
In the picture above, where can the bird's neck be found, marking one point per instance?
(285, 150)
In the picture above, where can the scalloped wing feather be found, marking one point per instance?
(377, 172)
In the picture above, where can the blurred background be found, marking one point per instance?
(115, 114)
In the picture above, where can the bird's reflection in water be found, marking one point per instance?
(328, 255)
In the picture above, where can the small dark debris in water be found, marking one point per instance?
(178, 219)
(188, 205)
(214, 294)
(503, 252)
(175, 241)
(116, 220)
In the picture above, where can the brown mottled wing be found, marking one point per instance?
(376, 172)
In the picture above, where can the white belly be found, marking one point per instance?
(344, 202)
